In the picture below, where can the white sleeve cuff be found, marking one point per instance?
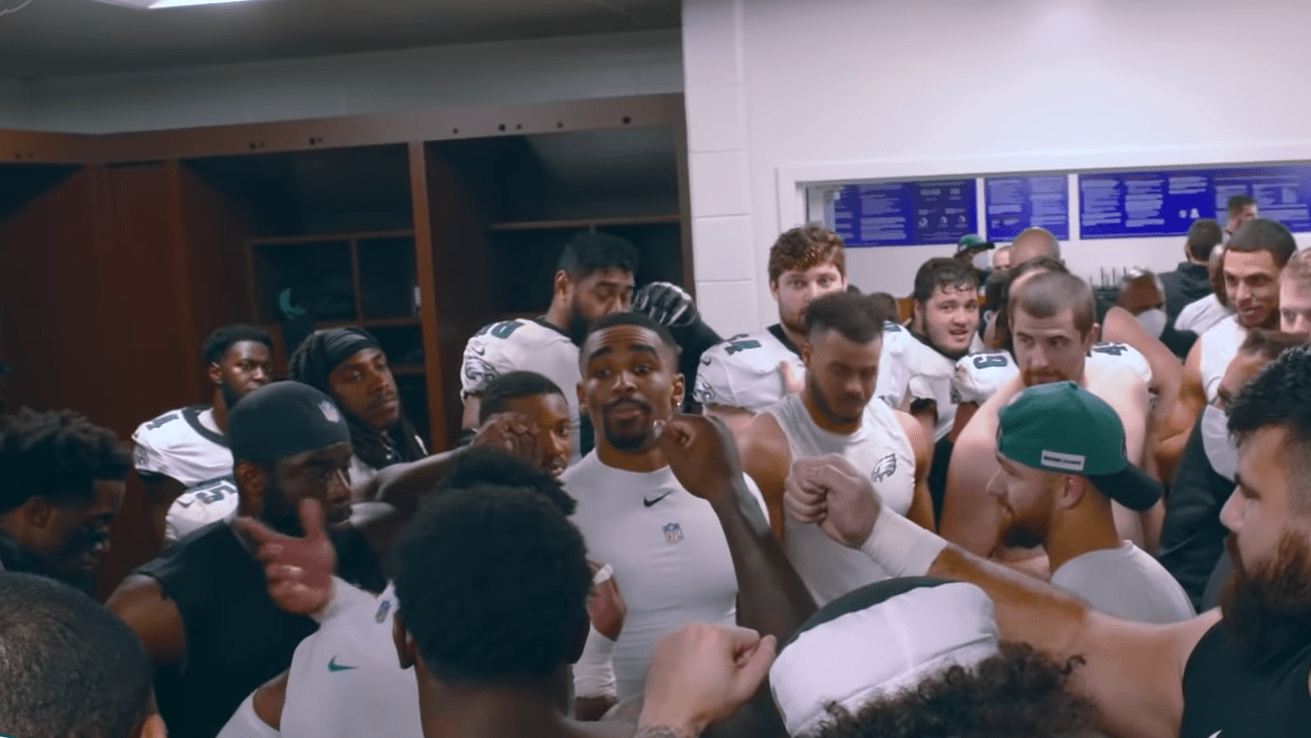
(901, 547)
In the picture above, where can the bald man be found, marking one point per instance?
(1052, 319)
(1032, 243)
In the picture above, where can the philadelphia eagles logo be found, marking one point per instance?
(886, 467)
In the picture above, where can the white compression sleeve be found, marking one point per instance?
(901, 547)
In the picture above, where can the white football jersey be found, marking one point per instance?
(1219, 347)
(744, 370)
(979, 376)
(185, 445)
(201, 505)
(524, 345)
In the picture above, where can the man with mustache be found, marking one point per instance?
(182, 456)
(666, 545)
(201, 608)
(837, 413)
(594, 278)
(1051, 318)
(61, 485)
(1239, 671)
(348, 365)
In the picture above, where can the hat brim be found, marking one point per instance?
(1130, 487)
(981, 246)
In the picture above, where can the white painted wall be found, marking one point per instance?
(781, 92)
(605, 65)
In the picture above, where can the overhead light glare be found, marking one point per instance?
(161, 4)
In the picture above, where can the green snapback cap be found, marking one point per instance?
(1066, 429)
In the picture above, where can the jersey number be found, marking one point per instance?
(158, 422)
(989, 361)
(742, 345)
(501, 330)
(1114, 349)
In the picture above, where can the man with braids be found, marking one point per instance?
(61, 484)
(70, 669)
(348, 365)
(1239, 671)
(747, 373)
(182, 456)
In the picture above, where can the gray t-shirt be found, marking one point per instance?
(1126, 582)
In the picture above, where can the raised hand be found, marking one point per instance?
(792, 384)
(605, 604)
(511, 432)
(297, 571)
(829, 492)
(702, 454)
(701, 674)
(665, 303)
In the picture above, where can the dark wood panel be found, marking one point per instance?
(461, 289)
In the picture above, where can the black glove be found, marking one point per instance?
(666, 304)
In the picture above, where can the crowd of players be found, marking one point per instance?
(999, 517)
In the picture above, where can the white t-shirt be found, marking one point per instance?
(1219, 346)
(345, 679)
(1126, 582)
(1200, 316)
(881, 450)
(186, 445)
(670, 558)
(523, 345)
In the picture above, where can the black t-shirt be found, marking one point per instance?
(1192, 538)
(1229, 693)
(237, 638)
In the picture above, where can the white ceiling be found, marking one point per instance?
(54, 38)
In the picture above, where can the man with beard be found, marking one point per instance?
(747, 373)
(1061, 453)
(594, 279)
(836, 413)
(61, 484)
(182, 456)
(348, 365)
(666, 545)
(1242, 671)
(201, 608)
(1051, 319)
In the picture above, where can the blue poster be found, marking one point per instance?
(1165, 203)
(1016, 203)
(905, 213)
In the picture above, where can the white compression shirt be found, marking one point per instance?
(881, 450)
(670, 558)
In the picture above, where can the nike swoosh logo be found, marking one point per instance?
(333, 666)
(649, 503)
(481, 351)
(705, 362)
(184, 504)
